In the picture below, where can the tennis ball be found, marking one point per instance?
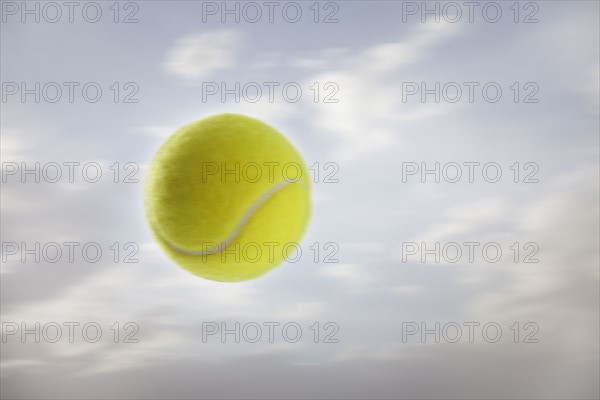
(227, 198)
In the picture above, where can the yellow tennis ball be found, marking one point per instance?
(227, 198)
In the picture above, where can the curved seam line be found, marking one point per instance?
(263, 198)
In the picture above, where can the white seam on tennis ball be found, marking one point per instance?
(264, 197)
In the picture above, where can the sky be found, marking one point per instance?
(435, 129)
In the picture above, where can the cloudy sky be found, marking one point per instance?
(517, 95)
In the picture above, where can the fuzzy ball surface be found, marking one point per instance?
(228, 198)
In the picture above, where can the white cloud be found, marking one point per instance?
(11, 146)
(465, 219)
(407, 290)
(369, 115)
(197, 56)
(266, 61)
(353, 276)
(365, 247)
(160, 132)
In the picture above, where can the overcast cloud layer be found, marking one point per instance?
(373, 293)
